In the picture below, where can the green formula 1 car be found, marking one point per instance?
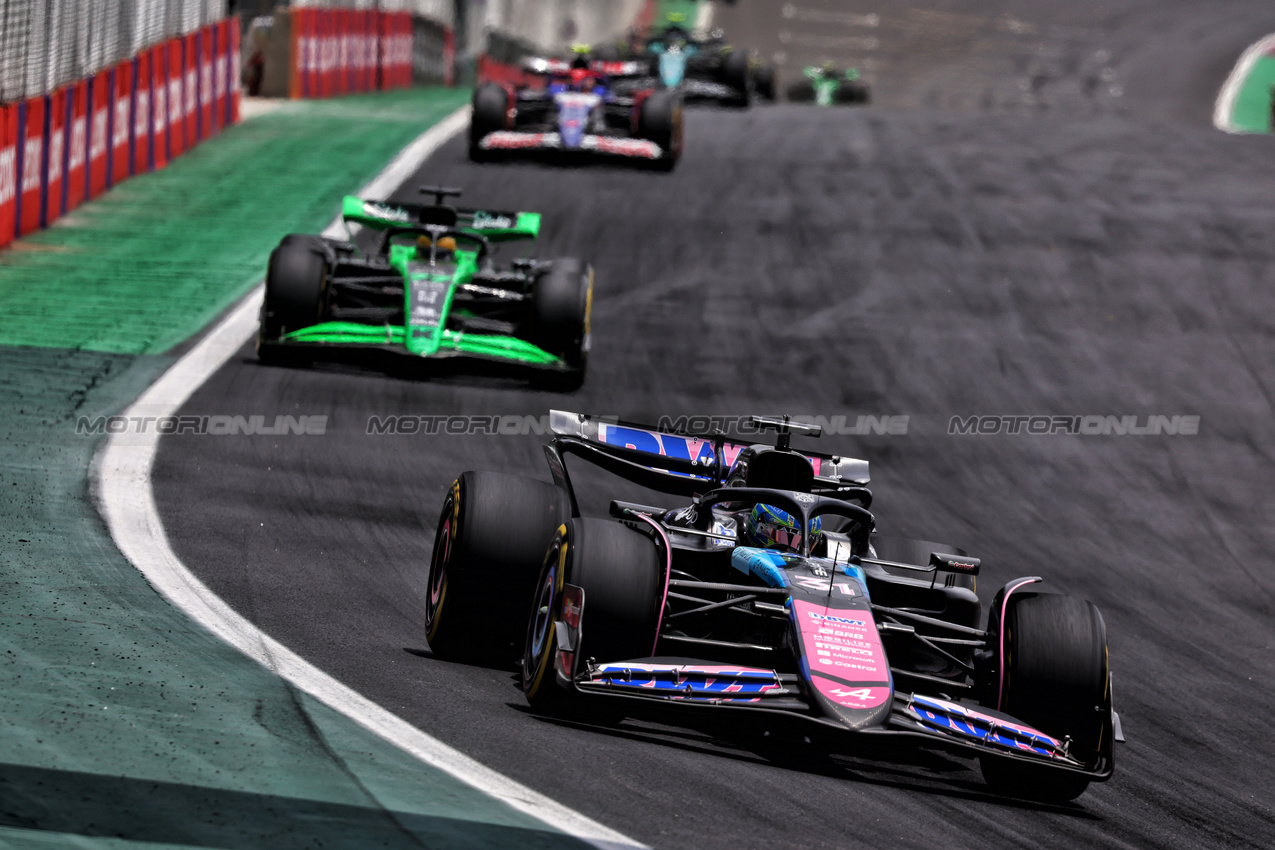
(827, 85)
(429, 289)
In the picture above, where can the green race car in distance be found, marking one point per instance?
(826, 85)
(429, 289)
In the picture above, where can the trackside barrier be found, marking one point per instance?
(190, 89)
(30, 159)
(8, 172)
(121, 112)
(139, 140)
(99, 129)
(66, 146)
(55, 131)
(159, 106)
(75, 173)
(333, 52)
(176, 124)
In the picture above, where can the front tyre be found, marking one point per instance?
(619, 571)
(296, 291)
(492, 533)
(1056, 679)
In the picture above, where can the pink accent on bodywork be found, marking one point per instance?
(668, 573)
(844, 642)
(1000, 661)
(852, 696)
(693, 669)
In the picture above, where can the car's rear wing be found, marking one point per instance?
(496, 225)
(543, 66)
(663, 459)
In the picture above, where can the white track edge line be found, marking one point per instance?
(126, 501)
(1224, 107)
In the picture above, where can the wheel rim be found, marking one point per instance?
(543, 621)
(438, 566)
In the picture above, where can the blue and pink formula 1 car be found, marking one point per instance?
(770, 595)
(576, 109)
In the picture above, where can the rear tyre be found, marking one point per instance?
(491, 102)
(1056, 679)
(660, 121)
(491, 536)
(562, 303)
(764, 82)
(802, 91)
(296, 290)
(737, 74)
(618, 569)
(852, 92)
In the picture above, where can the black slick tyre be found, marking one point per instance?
(737, 74)
(492, 534)
(764, 82)
(562, 302)
(802, 91)
(491, 102)
(619, 571)
(1056, 680)
(660, 121)
(296, 291)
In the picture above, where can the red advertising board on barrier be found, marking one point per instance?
(8, 172)
(207, 126)
(121, 122)
(62, 148)
(232, 47)
(221, 73)
(190, 89)
(159, 106)
(77, 146)
(55, 155)
(30, 164)
(139, 140)
(99, 129)
(339, 51)
(176, 126)
(299, 83)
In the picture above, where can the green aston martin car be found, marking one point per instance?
(429, 288)
(828, 85)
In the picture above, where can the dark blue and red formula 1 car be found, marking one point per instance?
(770, 594)
(575, 109)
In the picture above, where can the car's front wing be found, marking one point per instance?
(393, 338)
(915, 716)
(509, 140)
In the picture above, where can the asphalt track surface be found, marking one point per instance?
(962, 257)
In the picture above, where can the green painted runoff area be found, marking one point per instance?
(1252, 110)
(152, 261)
(122, 722)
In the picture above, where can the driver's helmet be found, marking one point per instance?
(768, 527)
(446, 245)
(829, 69)
(582, 80)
